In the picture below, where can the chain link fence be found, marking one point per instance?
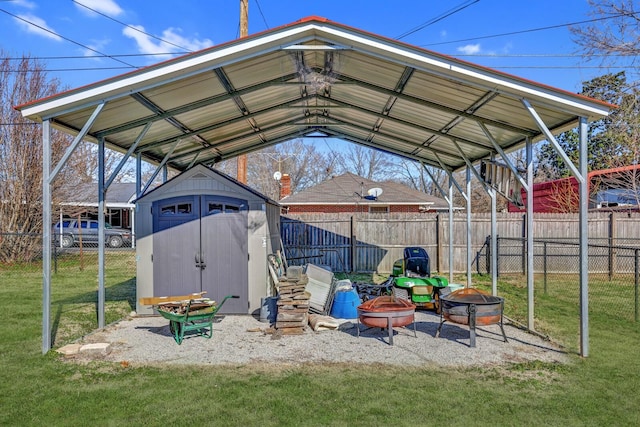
(614, 271)
(74, 281)
(614, 276)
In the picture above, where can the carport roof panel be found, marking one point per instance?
(294, 80)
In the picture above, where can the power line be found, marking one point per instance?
(531, 30)
(65, 38)
(446, 14)
(262, 14)
(70, 69)
(122, 55)
(567, 67)
(456, 55)
(533, 55)
(496, 67)
(438, 18)
(131, 26)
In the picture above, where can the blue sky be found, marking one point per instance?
(72, 40)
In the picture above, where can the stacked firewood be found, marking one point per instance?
(199, 306)
(293, 305)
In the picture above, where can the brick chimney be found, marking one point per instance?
(285, 185)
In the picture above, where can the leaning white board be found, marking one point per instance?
(319, 286)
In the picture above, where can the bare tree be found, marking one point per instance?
(21, 157)
(413, 175)
(83, 164)
(562, 197)
(228, 167)
(612, 141)
(614, 40)
(367, 163)
(301, 161)
(619, 188)
(305, 164)
(613, 37)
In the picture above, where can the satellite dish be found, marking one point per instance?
(277, 175)
(374, 192)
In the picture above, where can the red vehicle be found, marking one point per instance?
(610, 189)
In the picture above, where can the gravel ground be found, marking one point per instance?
(240, 340)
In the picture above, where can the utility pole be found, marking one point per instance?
(244, 31)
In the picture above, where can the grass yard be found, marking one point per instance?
(600, 390)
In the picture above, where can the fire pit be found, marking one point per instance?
(471, 307)
(387, 312)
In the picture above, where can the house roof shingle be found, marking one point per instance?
(119, 194)
(352, 189)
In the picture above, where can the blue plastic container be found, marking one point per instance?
(345, 304)
(268, 309)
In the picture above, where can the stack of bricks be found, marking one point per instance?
(293, 303)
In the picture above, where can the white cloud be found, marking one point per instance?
(108, 7)
(443, 34)
(148, 44)
(96, 45)
(35, 25)
(24, 3)
(469, 49)
(171, 35)
(502, 51)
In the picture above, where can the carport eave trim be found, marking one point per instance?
(160, 74)
(366, 43)
(493, 80)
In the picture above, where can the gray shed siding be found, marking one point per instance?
(263, 237)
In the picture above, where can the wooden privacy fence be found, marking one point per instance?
(372, 242)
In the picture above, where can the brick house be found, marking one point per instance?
(350, 193)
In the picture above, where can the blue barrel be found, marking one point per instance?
(345, 304)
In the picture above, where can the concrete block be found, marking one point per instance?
(69, 349)
(101, 348)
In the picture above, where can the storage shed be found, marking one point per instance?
(205, 231)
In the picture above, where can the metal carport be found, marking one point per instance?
(316, 77)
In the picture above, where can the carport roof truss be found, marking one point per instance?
(314, 78)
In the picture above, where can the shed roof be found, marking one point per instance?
(204, 172)
(350, 189)
(314, 77)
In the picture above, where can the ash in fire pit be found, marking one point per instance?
(471, 307)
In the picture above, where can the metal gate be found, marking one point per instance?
(200, 244)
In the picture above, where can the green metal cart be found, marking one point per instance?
(196, 316)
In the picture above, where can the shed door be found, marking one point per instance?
(225, 251)
(200, 244)
(176, 246)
